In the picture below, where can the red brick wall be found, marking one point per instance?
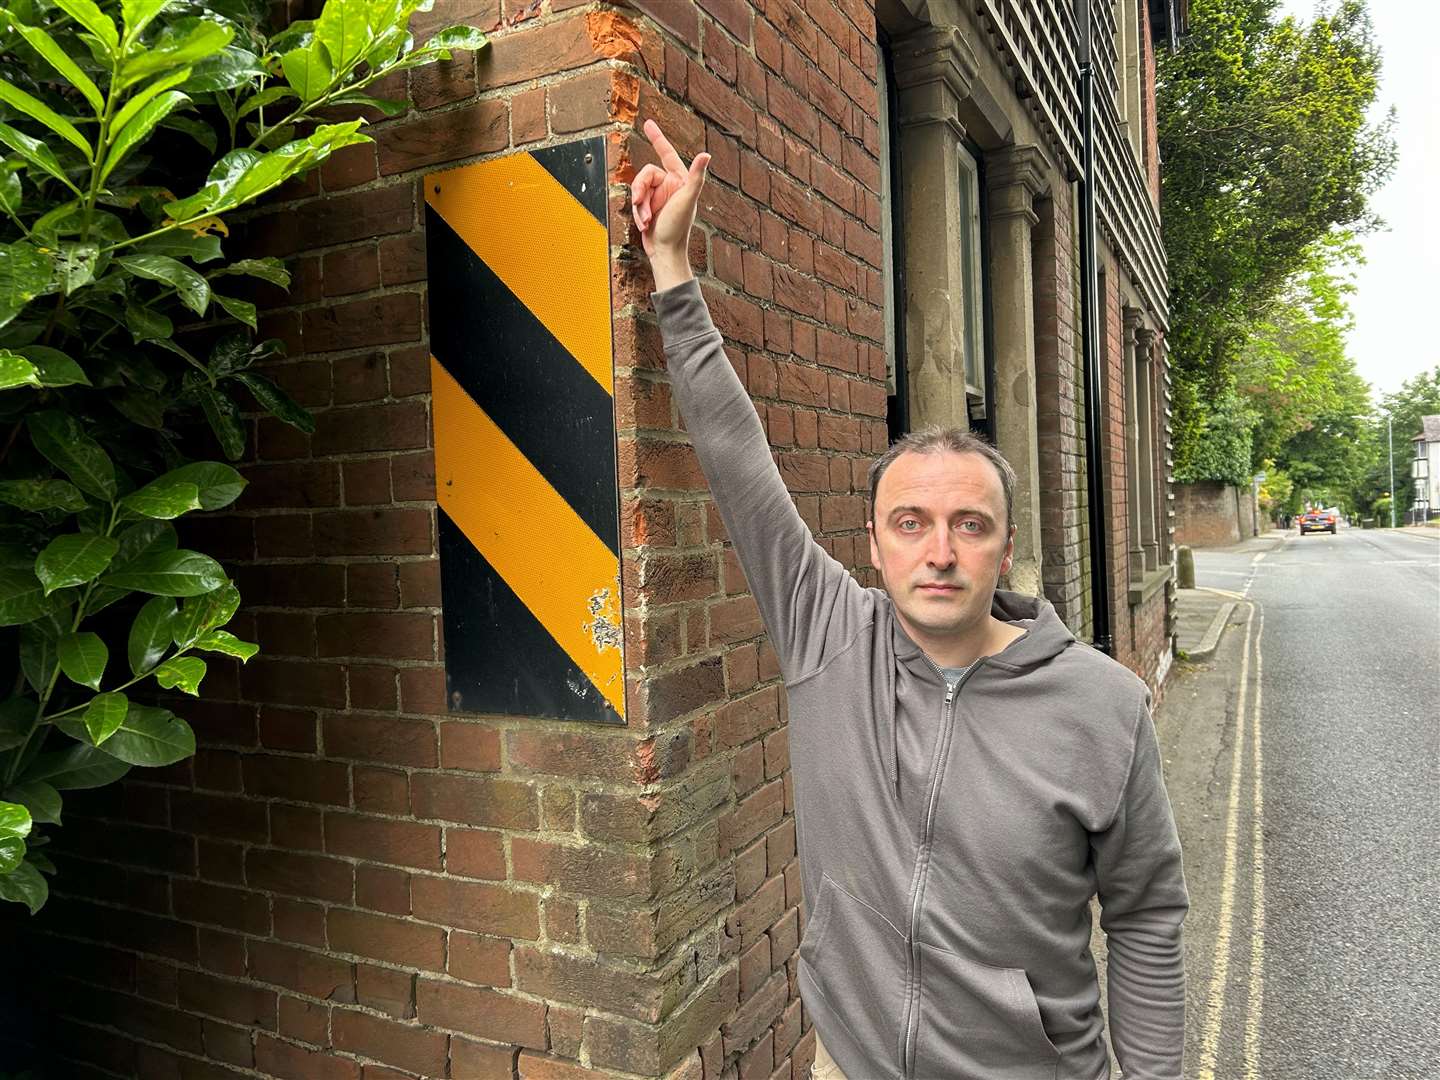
(1211, 515)
(1060, 415)
(349, 883)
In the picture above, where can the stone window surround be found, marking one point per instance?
(944, 105)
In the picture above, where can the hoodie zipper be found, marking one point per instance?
(912, 1017)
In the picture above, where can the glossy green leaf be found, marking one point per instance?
(458, 37)
(22, 597)
(144, 538)
(225, 421)
(16, 371)
(165, 497)
(238, 309)
(219, 485)
(25, 273)
(308, 70)
(36, 109)
(150, 633)
(169, 573)
(141, 407)
(60, 60)
(25, 885)
(89, 15)
(55, 367)
(194, 290)
(152, 737)
(198, 248)
(137, 14)
(40, 798)
(17, 717)
(344, 29)
(147, 325)
(104, 715)
(198, 130)
(186, 43)
(39, 656)
(227, 69)
(36, 153)
(11, 193)
(243, 175)
(75, 264)
(268, 269)
(264, 99)
(138, 129)
(83, 658)
(222, 641)
(15, 825)
(388, 106)
(80, 766)
(200, 614)
(181, 673)
(60, 438)
(145, 95)
(36, 494)
(74, 559)
(279, 403)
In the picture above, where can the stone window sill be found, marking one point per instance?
(1148, 585)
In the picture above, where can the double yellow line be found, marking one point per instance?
(1247, 725)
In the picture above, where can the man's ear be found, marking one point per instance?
(1008, 558)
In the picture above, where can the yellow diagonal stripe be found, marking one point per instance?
(546, 247)
(548, 556)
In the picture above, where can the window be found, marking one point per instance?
(973, 303)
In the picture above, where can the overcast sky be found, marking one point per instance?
(1394, 304)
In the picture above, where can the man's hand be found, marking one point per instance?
(663, 199)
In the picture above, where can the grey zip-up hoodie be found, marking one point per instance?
(949, 841)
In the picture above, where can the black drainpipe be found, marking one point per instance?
(1090, 343)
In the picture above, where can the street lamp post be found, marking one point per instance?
(1390, 442)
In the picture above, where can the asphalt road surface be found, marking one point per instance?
(1303, 761)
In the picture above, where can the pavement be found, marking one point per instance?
(1202, 613)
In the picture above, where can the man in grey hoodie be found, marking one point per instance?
(967, 775)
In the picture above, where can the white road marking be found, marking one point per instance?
(1256, 1005)
(1210, 1043)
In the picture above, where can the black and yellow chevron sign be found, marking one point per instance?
(522, 375)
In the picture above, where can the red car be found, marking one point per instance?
(1317, 521)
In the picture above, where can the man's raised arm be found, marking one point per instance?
(804, 595)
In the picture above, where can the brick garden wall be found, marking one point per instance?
(349, 884)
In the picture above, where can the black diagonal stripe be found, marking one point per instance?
(580, 169)
(559, 417)
(498, 657)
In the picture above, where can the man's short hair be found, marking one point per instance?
(952, 440)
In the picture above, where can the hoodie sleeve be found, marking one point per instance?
(1143, 902)
(804, 595)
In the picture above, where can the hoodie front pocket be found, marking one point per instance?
(856, 958)
(978, 1021)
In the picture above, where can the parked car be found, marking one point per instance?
(1319, 521)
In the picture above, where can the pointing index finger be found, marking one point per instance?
(668, 157)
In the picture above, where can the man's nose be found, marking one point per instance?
(941, 553)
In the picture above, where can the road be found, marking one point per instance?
(1303, 761)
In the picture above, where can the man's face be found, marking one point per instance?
(939, 540)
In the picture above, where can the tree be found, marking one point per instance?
(1294, 367)
(1267, 151)
(1417, 397)
(123, 349)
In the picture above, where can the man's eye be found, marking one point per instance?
(908, 525)
(970, 526)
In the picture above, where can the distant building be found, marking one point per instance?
(1425, 468)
